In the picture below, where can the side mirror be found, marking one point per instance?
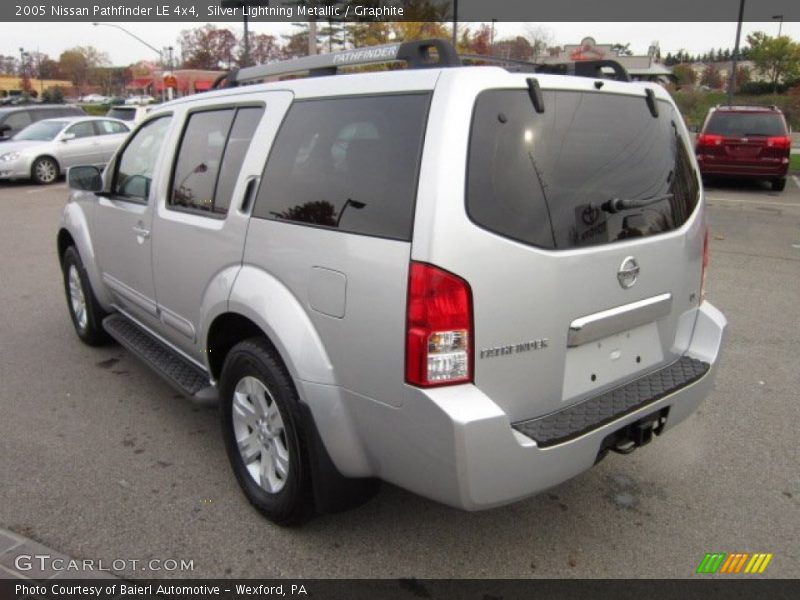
(85, 179)
(67, 137)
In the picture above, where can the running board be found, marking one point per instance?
(189, 379)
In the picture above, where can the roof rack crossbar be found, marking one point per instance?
(417, 54)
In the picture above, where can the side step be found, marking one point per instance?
(189, 379)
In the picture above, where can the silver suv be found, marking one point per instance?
(468, 281)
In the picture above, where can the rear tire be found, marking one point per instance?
(263, 433)
(84, 309)
(45, 170)
(778, 185)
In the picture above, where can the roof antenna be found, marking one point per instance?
(651, 102)
(535, 92)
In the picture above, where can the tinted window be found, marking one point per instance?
(199, 158)
(138, 161)
(18, 120)
(82, 130)
(738, 124)
(125, 114)
(244, 126)
(552, 179)
(347, 163)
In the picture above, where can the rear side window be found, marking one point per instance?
(110, 127)
(557, 179)
(348, 164)
(124, 114)
(211, 152)
(740, 124)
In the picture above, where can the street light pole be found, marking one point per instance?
(732, 80)
(136, 37)
(780, 23)
(491, 39)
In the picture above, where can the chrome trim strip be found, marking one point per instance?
(621, 318)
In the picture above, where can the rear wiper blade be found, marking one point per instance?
(615, 205)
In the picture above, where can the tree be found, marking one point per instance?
(370, 33)
(711, 77)
(477, 42)
(777, 57)
(743, 76)
(208, 47)
(264, 48)
(81, 64)
(622, 49)
(684, 74)
(53, 95)
(540, 38)
(518, 48)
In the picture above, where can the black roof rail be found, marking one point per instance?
(586, 68)
(418, 54)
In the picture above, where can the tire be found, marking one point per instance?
(45, 170)
(84, 309)
(778, 185)
(262, 429)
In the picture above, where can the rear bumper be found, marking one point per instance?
(765, 171)
(455, 445)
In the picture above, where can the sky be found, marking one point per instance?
(695, 38)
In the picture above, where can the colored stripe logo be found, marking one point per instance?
(734, 563)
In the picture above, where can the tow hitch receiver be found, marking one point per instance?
(633, 435)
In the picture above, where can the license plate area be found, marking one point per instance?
(610, 360)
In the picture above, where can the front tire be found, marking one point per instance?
(263, 434)
(778, 185)
(45, 170)
(84, 309)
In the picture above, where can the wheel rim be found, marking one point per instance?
(260, 434)
(76, 298)
(45, 171)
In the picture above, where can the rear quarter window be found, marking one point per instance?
(349, 164)
(543, 179)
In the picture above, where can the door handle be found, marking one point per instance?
(249, 192)
(141, 231)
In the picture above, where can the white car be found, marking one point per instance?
(95, 99)
(46, 149)
(140, 100)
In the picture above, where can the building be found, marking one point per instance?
(640, 68)
(11, 85)
(189, 81)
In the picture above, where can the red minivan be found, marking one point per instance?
(747, 142)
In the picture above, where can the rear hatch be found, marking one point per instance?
(743, 141)
(589, 261)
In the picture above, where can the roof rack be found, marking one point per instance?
(422, 54)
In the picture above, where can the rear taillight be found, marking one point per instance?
(709, 139)
(781, 142)
(703, 271)
(438, 327)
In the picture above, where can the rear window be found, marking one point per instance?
(740, 124)
(592, 169)
(347, 163)
(124, 114)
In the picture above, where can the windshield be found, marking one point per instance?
(43, 131)
(592, 169)
(739, 124)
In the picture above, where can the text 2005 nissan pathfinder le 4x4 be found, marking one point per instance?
(469, 281)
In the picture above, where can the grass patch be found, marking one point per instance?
(794, 165)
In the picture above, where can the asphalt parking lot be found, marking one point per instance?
(100, 460)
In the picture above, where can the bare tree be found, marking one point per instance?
(540, 38)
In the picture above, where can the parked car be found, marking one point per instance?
(140, 100)
(129, 113)
(748, 142)
(46, 149)
(95, 99)
(470, 282)
(13, 120)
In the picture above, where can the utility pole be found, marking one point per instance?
(455, 23)
(312, 37)
(491, 39)
(732, 81)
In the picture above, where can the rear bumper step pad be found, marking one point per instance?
(596, 412)
(186, 377)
